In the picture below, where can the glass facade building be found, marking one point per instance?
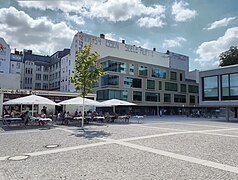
(148, 86)
(219, 87)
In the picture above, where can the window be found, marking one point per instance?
(137, 96)
(234, 84)
(192, 89)
(181, 77)
(45, 77)
(131, 69)
(110, 80)
(154, 97)
(132, 82)
(45, 86)
(225, 85)
(112, 94)
(38, 76)
(150, 84)
(38, 85)
(229, 84)
(160, 85)
(143, 71)
(158, 73)
(38, 68)
(45, 68)
(114, 66)
(210, 88)
(183, 88)
(192, 99)
(173, 75)
(170, 86)
(18, 65)
(167, 98)
(179, 98)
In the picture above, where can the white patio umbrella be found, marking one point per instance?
(116, 102)
(79, 101)
(30, 100)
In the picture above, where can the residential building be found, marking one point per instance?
(55, 68)
(42, 72)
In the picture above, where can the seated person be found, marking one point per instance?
(41, 122)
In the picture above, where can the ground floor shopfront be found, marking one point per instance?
(56, 96)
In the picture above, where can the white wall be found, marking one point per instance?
(194, 75)
(4, 56)
(10, 81)
(107, 47)
(179, 61)
(64, 73)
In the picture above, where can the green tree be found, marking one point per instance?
(229, 57)
(86, 72)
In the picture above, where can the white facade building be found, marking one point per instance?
(179, 61)
(121, 50)
(5, 52)
(10, 81)
(65, 73)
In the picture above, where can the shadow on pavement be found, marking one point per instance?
(90, 134)
(28, 127)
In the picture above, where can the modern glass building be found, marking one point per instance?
(138, 75)
(219, 87)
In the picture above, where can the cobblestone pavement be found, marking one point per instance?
(160, 148)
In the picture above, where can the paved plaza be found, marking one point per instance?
(169, 147)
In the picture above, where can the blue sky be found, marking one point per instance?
(201, 29)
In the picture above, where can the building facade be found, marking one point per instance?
(138, 75)
(219, 88)
(4, 56)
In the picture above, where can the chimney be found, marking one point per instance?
(154, 49)
(102, 36)
(123, 41)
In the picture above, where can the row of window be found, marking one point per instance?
(137, 96)
(143, 70)
(129, 82)
(18, 66)
(228, 84)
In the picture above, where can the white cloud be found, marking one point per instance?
(151, 22)
(209, 52)
(111, 36)
(75, 18)
(221, 23)
(40, 35)
(113, 10)
(181, 12)
(65, 6)
(169, 43)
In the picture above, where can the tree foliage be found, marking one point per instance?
(229, 57)
(86, 70)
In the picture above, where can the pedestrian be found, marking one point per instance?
(27, 117)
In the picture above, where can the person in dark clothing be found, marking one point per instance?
(26, 117)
